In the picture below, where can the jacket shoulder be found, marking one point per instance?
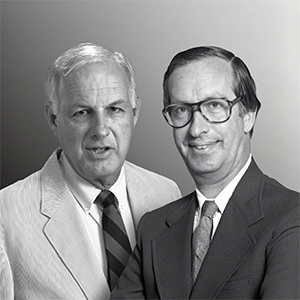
(152, 180)
(157, 219)
(26, 185)
(273, 185)
(280, 197)
(29, 187)
(181, 203)
(142, 171)
(17, 197)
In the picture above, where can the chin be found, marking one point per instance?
(203, 168)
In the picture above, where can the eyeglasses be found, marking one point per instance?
(216, 110)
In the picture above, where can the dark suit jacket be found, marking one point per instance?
(254, 253)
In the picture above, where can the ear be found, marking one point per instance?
(136, 110)
(51, 116)
(249, 121)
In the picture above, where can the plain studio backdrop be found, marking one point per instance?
(265, 34)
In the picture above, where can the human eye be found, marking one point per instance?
(114, 110)
(215, 105)
(179, 110)
(81, 113)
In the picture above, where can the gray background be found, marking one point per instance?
(265, 34)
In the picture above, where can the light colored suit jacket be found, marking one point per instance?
(45, 252)
(254, 253)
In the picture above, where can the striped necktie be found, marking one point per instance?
(117, 245)
(202, 236)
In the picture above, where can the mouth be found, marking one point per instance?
(99, 150)
(203, 146)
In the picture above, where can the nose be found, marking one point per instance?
(198, 124)
(99, 125)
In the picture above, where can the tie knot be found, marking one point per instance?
(106, 198)
(209, 208)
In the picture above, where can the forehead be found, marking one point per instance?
(204, 78)
(96, 77)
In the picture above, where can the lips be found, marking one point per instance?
(203, 145)
(99, 150)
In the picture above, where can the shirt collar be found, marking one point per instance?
(84, 191)
(223, 197)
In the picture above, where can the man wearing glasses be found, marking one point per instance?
(237, 235)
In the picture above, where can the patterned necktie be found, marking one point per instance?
(202, 236)
(117, 245)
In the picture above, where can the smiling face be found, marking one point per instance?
(94, 122)
(213, 153)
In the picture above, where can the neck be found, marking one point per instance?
(210, 191)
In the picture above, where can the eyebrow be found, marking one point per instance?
(119, 101)
(204, 99)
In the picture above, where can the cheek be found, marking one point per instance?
(123, 131)
(69, 134)
(178, 135)
(234, 135)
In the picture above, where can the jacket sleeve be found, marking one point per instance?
(6, 279)
(282, 277)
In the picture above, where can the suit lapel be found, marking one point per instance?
(67, 233)
(172, 253)
(233, 240)
(231, 244)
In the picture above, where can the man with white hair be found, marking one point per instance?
(55, 238)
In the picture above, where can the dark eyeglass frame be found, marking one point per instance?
(196, 107)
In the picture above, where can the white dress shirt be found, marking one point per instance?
(85, 194)
(222, 199)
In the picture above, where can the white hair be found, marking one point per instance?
(79, 56)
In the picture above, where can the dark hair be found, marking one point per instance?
(243, 83)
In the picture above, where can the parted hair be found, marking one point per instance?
(242, 84)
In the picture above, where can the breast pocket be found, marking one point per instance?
(238, 283)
